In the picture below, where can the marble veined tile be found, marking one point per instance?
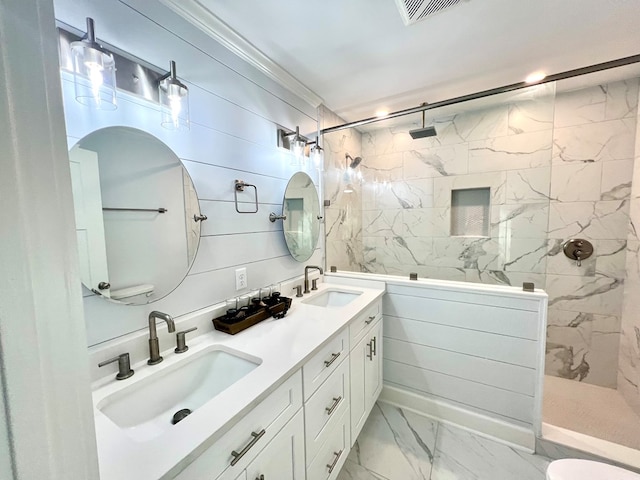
(559, 263)
(598, 294)
(622, 99)
(396, 444)
(531, 115)
(578, 107)
(463, 455)
(529, 185)
(496, 181)
(353, 471)
(616, 179)
(521, 220)
(568, 339)
(397, 251)
(481, 124)
(423, 222)
(592, 220)
(611, 257)
(378, 168)
(470, 253)
(436, 162)
(576, 182)
(526, 255)
(416, 193)
(382, 223)
(512, 152)
(594, 142)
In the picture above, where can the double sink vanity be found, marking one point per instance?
(284, 399)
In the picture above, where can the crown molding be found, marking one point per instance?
(201, 17)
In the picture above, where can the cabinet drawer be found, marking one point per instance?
(323, 411)
(249, 436)
(359, 326)
(323, 363)
(332, 454)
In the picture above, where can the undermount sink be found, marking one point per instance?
(332, 298)
(146, 409)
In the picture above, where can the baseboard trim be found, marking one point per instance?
(512, 435)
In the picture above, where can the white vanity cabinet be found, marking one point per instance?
(365, 361)
(275, 424)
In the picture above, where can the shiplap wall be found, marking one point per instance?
(478, 347)
(234, 113)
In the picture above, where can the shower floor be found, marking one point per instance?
(596, 411)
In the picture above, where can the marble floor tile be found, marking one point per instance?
(463, 455)
(353, 471)
(396, 444)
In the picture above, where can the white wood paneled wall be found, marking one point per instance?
(464, 344)
(234, 113)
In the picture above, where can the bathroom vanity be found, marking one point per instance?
(284, 399)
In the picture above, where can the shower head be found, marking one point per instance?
(424, 131)
(354, 162)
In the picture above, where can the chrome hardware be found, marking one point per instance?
(273, 217)
(298, 289)
(374, 342)
(124, 366)
(181, 343)
(314, 284)
(370, 354)
(371, 319)
(154, 346)
(578, 249)
(306, 276)
(238, 455)
(156, 210)
(104, 286)
(333, 269)
(335, 461)
(528, 287)
(239, 187)
(199, 218)
(333, 359)
(413, 276)
(336, 402)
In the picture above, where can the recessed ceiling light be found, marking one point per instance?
(382, 113)
(535, 77)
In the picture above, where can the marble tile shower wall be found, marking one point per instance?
(343, 219)
(629, 358)
(557, 168)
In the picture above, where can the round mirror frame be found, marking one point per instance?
(301, 225)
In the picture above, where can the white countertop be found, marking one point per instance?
(282, 345)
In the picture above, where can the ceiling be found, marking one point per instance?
(359, 57)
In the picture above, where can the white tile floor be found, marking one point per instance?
(396, 444)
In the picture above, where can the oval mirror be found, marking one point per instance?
(137, 215)
(301, 209)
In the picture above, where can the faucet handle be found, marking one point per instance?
(314, 284)
(181, 343)
(298, 289)
(124, 366)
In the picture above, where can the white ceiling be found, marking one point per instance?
(359, 57)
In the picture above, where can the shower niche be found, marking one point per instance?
(470, 209)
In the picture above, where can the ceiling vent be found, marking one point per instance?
(413, 11)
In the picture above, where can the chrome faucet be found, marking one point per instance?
(154, 346)
(306, 276)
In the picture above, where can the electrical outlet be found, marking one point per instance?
(241, 278)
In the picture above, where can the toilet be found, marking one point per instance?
(574, 469)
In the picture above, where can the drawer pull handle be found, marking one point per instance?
(335, 461)
(374, 342)
(238, 455)
(333, 359)
(336, 402)
(371, 319)
(370, 354)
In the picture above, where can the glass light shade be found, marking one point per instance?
(174, 104)
(94, 75)
(317, 157)
(297, 148)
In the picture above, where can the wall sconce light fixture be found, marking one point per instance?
(294, 142)
(94, 72)
(174, 101)
(316, 154)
